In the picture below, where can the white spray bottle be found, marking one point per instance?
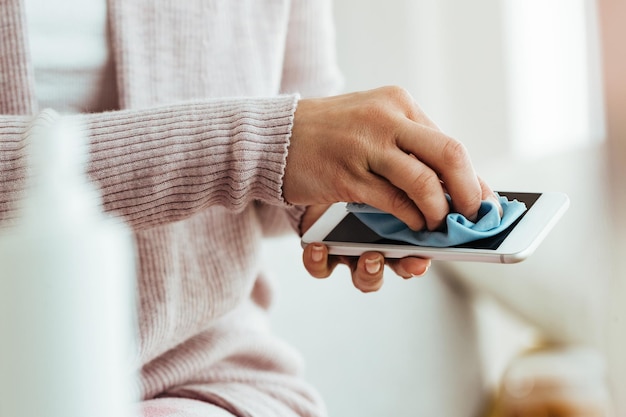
(66, 290)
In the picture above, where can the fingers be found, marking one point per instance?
(422, 187)
(368, 274)
(409, 267)
(449, 161)
(367, 270)
(317, 262)
(420, 158)
(384, 195)
(489, 194)
(378, 147)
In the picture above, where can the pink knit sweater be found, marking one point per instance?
(193, 161)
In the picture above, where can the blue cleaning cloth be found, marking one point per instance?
(457, 230)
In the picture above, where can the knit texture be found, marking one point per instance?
(194, 160)
(16, 75)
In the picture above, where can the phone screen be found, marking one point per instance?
(351, 229)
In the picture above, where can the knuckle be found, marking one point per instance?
(403, 206)
(425, 184)
(403, 101)
(400, 202)
(379, 114)
(467, 204)
(398, 94)
(428, 190)
(455, 154)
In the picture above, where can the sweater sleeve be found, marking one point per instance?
(13, 172)
(163, 164)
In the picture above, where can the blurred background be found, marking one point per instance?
(535, 89)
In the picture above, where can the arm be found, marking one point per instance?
(12, 162)
(164, 164)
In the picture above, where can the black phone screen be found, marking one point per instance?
(351, 229)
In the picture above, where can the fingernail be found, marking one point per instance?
(372, 266)
(414, 274)
(317, 253)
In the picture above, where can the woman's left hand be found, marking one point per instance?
(367, 270)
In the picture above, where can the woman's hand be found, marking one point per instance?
(367, 270)
(378, 147)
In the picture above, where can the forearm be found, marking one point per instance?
(163, 164)
(12, 163)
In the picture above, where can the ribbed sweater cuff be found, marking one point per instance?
(159, 165)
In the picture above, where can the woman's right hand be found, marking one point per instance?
(367, 270)
(378, 147)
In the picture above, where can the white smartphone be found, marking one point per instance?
(344, 234)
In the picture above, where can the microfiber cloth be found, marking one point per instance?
(456, 231)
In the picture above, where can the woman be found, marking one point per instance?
(201, 141)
